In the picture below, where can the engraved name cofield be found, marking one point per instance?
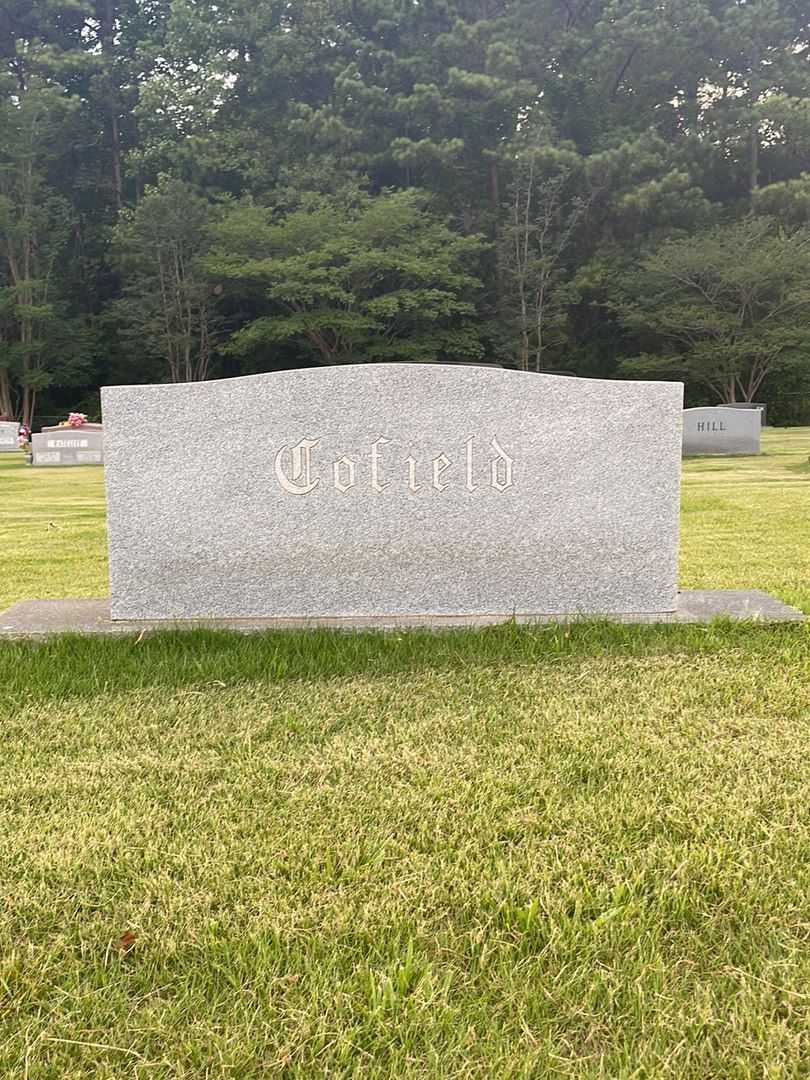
(300, 469)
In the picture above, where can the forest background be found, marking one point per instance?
(611, 188)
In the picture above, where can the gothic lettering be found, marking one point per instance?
(504, 460)
(412, 484)
(470, 486)
(375, 464)
(440, 465)
(299, 469)
(344, 466)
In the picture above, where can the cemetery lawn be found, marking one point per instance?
(512, 853)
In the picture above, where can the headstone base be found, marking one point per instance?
(40, 618)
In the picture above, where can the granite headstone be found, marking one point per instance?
(720, 430)
(88, 426)
(68, 446)
(9, 430)
(761, 405)
(386, 489)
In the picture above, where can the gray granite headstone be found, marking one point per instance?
(392, 489)
(68, 446)
(88, 426)
(720, 430)
(9, 430)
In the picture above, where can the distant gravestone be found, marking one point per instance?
(68, 446)
(720, 430)
(763, 408)
(392, 489)
(9, 430)
(88, 426)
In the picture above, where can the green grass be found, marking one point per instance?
(53, 537)
(746, 520)
(517, 852)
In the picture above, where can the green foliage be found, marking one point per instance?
(725, 309)
(789, 201)
(356, 278)
(646, 123)
(166, 309)
(35, 223)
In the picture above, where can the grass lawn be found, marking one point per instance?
(516, 852)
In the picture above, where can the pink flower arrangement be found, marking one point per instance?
(76, 419)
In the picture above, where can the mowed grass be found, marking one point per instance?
(517, 852)
(53, 533)
(746, 520)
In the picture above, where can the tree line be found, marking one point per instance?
(613, 188)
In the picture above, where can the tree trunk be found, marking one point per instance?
(495, 200)
(28, 400)
(691, 107)
(6, 403)
(118, 187)
(753, 159)
(25, 298)
(107, 35)
(755, 87)
(540, 312)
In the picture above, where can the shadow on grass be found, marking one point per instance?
(71, 665)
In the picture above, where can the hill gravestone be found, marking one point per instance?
(720, 430)
(392, 489)
(9, 430)
(68, 446)
(760, 405)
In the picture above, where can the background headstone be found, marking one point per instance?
(720, 430)
(88, 426)
(392, 489)
(761, 405)
(9, 430)
(68, 446)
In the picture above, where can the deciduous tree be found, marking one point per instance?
(167, 309)
(353, 278)
(724, 310)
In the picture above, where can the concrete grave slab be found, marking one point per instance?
(41, 618)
